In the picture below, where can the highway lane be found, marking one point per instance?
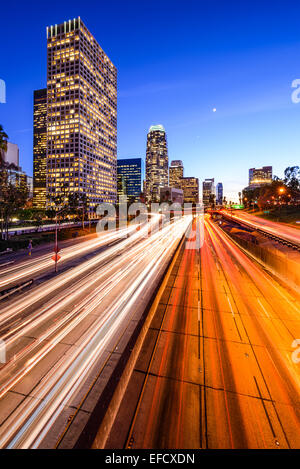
(43, 263)
(52, 351)
(277, 229)
(216, 369)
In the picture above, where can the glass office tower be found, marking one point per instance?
(130, 177)
(39, 148)
(176, 174)
(82, 116)
(157, 162)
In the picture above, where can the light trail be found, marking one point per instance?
(8, 313)
(41, 263)
(282, 230)
(219, 371)
(31, 421)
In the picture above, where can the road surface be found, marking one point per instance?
(219, 367)
(42, 263)
(61, 334)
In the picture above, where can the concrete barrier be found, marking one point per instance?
(285, 265)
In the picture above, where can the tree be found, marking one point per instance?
(25, 214)
(38, 216)
(292, 177)
(250, 196)
(12, 198)
(78, 205)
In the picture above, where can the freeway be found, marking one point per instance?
(43, 263)
(219, 367)
(281, 230)
(60, 334)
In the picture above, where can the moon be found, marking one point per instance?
(214, 109)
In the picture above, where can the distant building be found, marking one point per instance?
(30, 186)
(219, 194)
(130, 174)
(39, 148)
(260, 176)
(176, 171)
(190, 187)
(157, 162)
(171, 194)
(18, 178)
(15, 174)
(12, 155)
(208, 191)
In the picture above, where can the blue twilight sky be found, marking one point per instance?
(177, 61)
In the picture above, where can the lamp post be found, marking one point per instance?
(56, 250)
(281, 191)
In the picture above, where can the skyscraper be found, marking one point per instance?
(82, 116)
(219, 194)
(39, 148)
(190, 186)
(12, 155)
(157, 162)
(130, 177)
(15, 175)
(208, 191)
(176, 174)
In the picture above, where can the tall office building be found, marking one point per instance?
(208, 191)
(130, 177)
(12, 155)
(219, 194)
(82, 116)
(260, 176)
(190, 187)
(157, 162)
(39, 148)
(176, 174)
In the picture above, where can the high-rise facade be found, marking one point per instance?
(208, 191)
(190, 187)
(130, 177)
(157, 162)
(14, 172)
(219, 194)
(39, 148)
(260, 176)
(82, 116)
(12, 155)
(176, 174)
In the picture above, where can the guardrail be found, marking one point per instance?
(7, 293)
(18, 231)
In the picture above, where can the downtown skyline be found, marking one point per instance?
(248, 82)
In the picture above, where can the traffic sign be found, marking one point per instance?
(56, 258)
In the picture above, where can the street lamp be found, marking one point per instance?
(281, 191)
(56, 239)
